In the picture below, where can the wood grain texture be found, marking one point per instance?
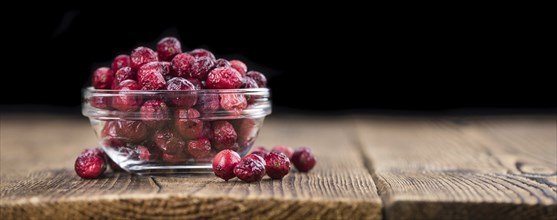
(38, 182)
(474, 168)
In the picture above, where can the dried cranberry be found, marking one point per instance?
(283, 149)
(199, 148)
(142, 55)
(154, 113)
(303, 159)
(188, 123)
(101, 102)
(224, 78)
(109, 135)
(167, 70)
(208, 103)
(151, 76)
(90, 164)
(133, 131)
(182, 64)
(222, 63)
(258, 77)
(181, 99)
(143, 153)
(277, 165)
(167, 48)
(201, 67)
(121, 61)
(196, 82)
(122, 74)
(249, 170)
(255, 157)
(240, 66)
(261, 151)
(202, 53)
(224, 136)
(169, 142)
(233, 103)
(102, 78)
(224, 163)
(246, 130)
(124, 101)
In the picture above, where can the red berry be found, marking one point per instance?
(182, 64)
(124, 101)
(132, 131)
(101, 102)
(224, 78)
(181, 99)
(199, 148)
(102, 78)
(246, 129)
(142, 55)
(201, 67)
(303, 159)
(249, 170)
(169, 142)
(277, 165)
(233, 103)
(121, 61)
(196, 82)
(208, 103)
(222, 63)
(202, 53)
(90, 164)
(240, 66)
(258, 77)
(151, 76)
(167, 48)
(143, 153)
(250, 83)
(283, 149)
(224, 136)
(261, 151)
(188, 124)
(167, 70)
(154, 113)
(122, 74)
(255, 157)
(224, 163)
(110, 136)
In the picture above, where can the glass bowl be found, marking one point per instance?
(166, 132)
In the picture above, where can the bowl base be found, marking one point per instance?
(170, 170)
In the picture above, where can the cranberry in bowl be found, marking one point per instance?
(174, 131)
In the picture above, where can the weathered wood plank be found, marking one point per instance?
(40, 183)
(463, 168)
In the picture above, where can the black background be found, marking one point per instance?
(314, 59)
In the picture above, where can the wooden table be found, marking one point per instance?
(369, 167)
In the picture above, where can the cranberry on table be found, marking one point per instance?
(151, 76)
(249, 170)
(303, 159)
(90, 164)
(182, 64)
(142, 55)
(181, 99)
(188, 124)
(202, 53)
(154, 113)
(199, 148)
(283, 149)
(224, 135)
(224, 78)
(121, 61)
(239, 66)
(224, 163)
(102, 78)
(124, 101)
(167, 48)
(255, 157)
(122, 74)
(277, 165)
(259, 78)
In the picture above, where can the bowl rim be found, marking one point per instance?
(92, 90)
